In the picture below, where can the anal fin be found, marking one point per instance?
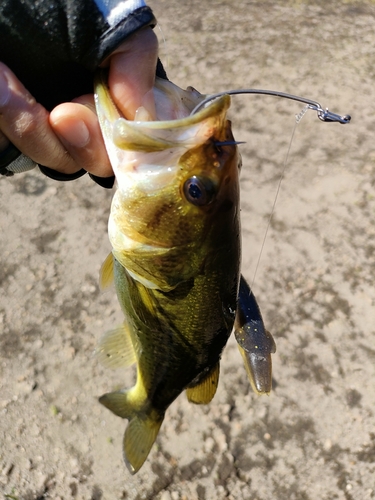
(203, 392)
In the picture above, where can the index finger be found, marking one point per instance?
(25, 123)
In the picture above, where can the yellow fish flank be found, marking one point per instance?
(175, 235)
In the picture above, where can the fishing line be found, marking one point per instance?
(298, 118)
(323, 114)
(166, 57)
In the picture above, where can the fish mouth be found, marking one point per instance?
(172, 180)
(187, 130)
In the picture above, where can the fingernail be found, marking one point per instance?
(91, 107)
(77, 134)
(4, 90)
(148, 102)
(142, 115)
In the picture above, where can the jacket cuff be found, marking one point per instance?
(113, 37)
(105, 182)
(59, 176)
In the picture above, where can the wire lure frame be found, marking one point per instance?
(323, 114)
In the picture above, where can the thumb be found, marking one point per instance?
(132, 73)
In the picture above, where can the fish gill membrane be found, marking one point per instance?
(175, 234)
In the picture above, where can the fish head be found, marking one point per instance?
(177, 183)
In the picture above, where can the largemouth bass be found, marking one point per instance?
(175, 233)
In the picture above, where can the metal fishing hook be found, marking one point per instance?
(323, 114)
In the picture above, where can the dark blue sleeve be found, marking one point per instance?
(54, 46)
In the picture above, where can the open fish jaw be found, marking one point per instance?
(152, 223)
(146, 153)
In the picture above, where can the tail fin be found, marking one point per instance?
(139, 437)
(118, 403)
(142, 429)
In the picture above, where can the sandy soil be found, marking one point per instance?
(314, 436)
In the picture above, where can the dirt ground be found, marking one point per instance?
(314, 436)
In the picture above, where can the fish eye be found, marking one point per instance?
(199, 191)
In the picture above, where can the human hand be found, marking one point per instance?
(69, 138)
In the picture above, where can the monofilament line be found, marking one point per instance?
(323, 114)
(299, 117)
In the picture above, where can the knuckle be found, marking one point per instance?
(29, 122)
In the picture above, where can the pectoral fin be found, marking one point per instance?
(115, 348)
(106, 273)
(205, 390)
